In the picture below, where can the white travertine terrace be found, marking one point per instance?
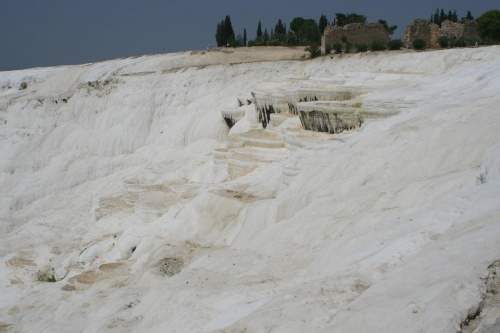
(336, 118)
(231, 116)
(128, 205)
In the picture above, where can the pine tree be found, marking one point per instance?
(436, 17)
(259, 30)
(390, 29)
(469, 16)
(442, 17)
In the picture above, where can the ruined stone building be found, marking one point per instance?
(355, 33)
(430, 32)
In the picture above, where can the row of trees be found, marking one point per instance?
(440, 16)
(301, 31)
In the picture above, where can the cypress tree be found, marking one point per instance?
(245, 37)
(280, 28)
(224, 32)
(436, 17)
(228, 29)
(469, 16)
(259, 30)
(219, 35)
(323, 22)
(265, 37)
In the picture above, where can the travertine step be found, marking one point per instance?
(234, 141)
(241, 161)
(153, 204)
(279, 118)
(220, 155)
(295, 96)
(262, 138)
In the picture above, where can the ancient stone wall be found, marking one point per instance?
(460, 30)
(356, 33)
(421, 29)
(430, 32)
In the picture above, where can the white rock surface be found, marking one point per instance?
(387, 228)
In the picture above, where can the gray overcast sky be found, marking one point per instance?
(36, 33)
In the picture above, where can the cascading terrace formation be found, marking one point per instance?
(293, 116)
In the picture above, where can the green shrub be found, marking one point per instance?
(395, 44)
(488, 41)
(314, 50)
(337, 47)
(328, 49)
(459, 43)
(488, 25)
(378, 46)
(348, 47)
(443, 42)
(419, 44)
(362, 47)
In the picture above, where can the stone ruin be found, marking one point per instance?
(430, 32)
(356, 33)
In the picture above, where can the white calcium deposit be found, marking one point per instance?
(128, 205)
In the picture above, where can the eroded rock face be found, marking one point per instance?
(485, 318)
